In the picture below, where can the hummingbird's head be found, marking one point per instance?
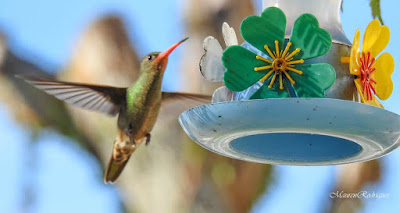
(157, 61)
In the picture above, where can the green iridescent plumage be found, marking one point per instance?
(137, 106)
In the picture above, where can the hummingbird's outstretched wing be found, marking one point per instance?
(174, 103)
(108, 99)
(103, 99)
(177, 102)
(187, 97)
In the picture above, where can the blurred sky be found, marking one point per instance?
(45, 31)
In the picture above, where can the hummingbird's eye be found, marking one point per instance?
(150, 57)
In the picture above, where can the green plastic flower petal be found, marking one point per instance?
(265, 29)
(285, 62)
(274, 92)
(315, 80)
(312, 40)
(239, 63)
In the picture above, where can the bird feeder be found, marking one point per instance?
(297, 91)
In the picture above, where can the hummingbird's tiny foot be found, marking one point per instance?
(148, 136)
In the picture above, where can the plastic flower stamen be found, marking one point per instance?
(281, 64)
(281, 69)
(373, 74)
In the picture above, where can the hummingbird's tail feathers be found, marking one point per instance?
(114, 170)
(103, 99)
(122, 151)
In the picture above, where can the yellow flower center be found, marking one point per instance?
(279, 64)
(282, 62)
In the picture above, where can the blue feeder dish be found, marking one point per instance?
(295, 131)
(294, 99)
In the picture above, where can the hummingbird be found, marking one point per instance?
(137, 106)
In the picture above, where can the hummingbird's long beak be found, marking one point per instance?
(166, 53)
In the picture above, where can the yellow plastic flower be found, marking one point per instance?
(373, 75)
